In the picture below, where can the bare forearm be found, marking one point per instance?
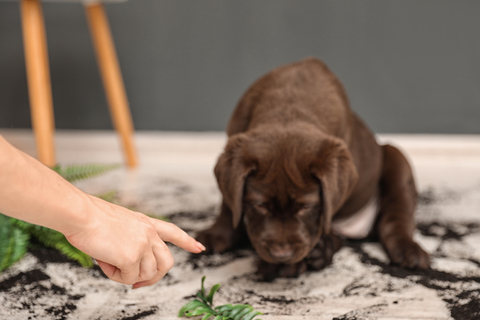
(33, 192)
(128, 245)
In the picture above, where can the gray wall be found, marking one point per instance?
(408, 66)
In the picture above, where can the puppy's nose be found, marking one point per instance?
(281, 253)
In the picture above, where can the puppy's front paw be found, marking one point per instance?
(409, 254)
(215, 240)
(269, 271)
(322, 254)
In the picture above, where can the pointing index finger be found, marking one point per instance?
(171, 233)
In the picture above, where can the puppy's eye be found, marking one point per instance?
(261, 208)
(305, 209)
(302, 212)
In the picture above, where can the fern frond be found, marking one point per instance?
(56, 240)
(214, 289)
(163, 218)
(204, 306)
(22, 240)
(76, 172)
(13, 242)
(109, 196)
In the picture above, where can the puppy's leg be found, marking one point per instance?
(322, 254)
(395, 224)
(222, 236)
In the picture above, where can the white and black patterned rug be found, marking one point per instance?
(360, 284)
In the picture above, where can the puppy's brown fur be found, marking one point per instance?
(296, 161)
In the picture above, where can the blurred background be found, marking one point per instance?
(408, 66)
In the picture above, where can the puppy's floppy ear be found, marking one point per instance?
(335, 169)
(231, 170)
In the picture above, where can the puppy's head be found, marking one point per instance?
(286, 185)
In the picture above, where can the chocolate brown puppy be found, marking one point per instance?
(300, 170)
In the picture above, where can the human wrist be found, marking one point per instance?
(73, 214)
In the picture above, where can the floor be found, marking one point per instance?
(175, 179)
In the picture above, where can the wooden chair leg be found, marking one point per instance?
(38, 78)
(112, 78)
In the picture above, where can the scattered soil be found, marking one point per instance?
(23, 278)
(61, 312)
(192, 216)
(142, 314)
(345, 317)
(201, 261)
(277, 299)
(431, 196)
(469, 310)
(426, 197)
(26, 287)
(354, 314)
(465, 305)
(447, 231)
(49, 255)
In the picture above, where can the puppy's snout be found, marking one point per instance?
(281, 252)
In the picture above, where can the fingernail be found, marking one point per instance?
(201, 246)
(136, 286)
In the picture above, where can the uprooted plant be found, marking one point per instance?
(203, 305)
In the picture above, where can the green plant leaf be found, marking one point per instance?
(212, 293)
(22, 240)
(76, 172)
(201, 297)
(207, 315)
(13, 242)
(237, 309)
(224, 308)
(54, 239)
(166, 219)
(226, 312)
(252, 315)
(198, 311)
(189, 306)
(242, 313)
(202, 290)
(109, 196)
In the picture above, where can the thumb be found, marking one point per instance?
(107, 268)
(118, 275)
(171, 233)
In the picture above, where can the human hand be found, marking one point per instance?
(129, 246)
